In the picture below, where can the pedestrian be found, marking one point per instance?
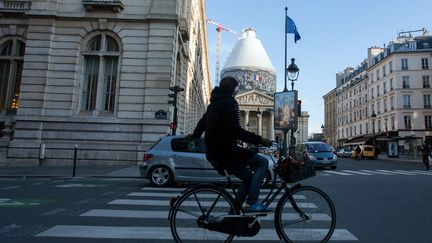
(426, 151)
(221, 124)
(357, 152)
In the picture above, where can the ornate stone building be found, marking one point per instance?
(250, 65)
(96, 74)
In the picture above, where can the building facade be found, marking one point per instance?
(96, 75)
(330, 107)
(387, 99)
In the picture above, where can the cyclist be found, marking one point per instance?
(221, 124)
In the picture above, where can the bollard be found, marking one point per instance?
(74, 159)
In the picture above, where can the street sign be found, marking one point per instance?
(161, 114)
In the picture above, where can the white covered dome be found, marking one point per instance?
(248, 53)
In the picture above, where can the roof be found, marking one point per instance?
(249, 53)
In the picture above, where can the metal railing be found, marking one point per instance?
(15, 5)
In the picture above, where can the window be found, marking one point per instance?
(384, 70)
(425, 63)
(427, 101)
(378, 90)
(187, 145)
(372, 77)
(391, 84)
(378, 107)
(385, 105)
(392, 120)
(428, 122)
(385, 87)
(391, 66)
(392, 103)
(404, 63)
(11, 67)
(372, 91)
(101, 58)
(405, 82)
(426, 82)
(378, 74)
(407, 122)
(406, 101)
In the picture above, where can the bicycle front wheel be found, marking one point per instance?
(314, 221)
(193, 209)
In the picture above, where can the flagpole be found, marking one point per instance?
(285, 67)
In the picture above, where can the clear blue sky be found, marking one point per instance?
(335, 34)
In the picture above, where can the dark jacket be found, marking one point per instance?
(221, 124)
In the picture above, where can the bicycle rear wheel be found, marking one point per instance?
(194, 208)
(320, 220)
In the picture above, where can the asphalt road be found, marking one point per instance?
(376, 201)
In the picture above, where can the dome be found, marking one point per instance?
(250, 65)
(249, 53)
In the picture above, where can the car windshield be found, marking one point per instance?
(318, 147)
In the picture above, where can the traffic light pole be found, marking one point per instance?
(173, 102)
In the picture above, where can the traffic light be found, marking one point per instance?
(173, 96)
(173, 102)
(299, 108)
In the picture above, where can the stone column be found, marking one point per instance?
(271, 126)
(246, 119)
(259, 115)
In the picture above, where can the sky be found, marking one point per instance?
(335, 34)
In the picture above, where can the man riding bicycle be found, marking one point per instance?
(221, 124)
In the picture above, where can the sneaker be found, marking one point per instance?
(257, 208)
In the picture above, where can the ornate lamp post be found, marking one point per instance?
(292, 75)
(323, 132)
(373, 116)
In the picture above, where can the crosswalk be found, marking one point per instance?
(151, 205)
(375, 172)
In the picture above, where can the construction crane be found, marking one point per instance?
(219, 29)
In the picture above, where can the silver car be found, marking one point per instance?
(177, 159)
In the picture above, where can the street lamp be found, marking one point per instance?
(293, 73)
(323, 130)
(373, 116)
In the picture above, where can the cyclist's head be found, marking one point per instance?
(229, 84)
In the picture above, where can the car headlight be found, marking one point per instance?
(334, 157)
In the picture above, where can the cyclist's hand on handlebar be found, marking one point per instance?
(265, 142)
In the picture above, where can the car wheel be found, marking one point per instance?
(266, 180)
(161, 176)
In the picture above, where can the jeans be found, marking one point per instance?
(251, 182)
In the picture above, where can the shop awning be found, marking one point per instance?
(358, 140)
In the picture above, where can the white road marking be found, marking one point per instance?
(186, 203)
(357, 172)
(161, 233)
(338, 173)
(164, 214)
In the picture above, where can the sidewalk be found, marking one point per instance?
(401, 158)
(67, 171)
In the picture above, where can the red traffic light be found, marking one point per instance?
(173, 125)
(299, 102)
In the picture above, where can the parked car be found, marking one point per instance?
(344, 152)
(367, 151)
(318, 153)
(177, 159)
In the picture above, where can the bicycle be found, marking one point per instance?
(209, 212)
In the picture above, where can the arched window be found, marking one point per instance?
(11, 66)
(101, 58)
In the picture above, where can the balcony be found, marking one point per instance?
(114, 5)
(11, 7)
